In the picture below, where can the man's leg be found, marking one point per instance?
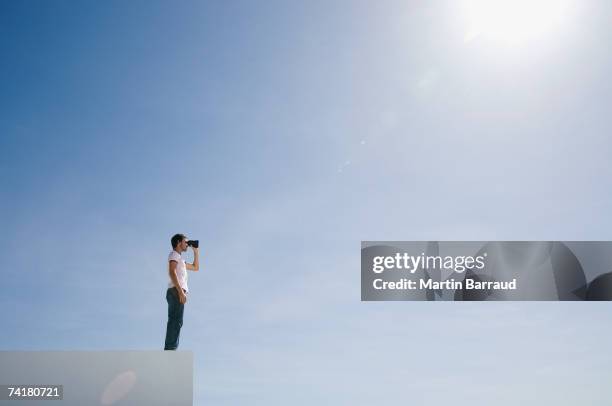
(175, 319)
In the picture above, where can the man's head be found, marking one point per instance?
(179, 242)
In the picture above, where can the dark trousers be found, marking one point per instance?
(175, 319)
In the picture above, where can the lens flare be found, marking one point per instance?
(118, 388)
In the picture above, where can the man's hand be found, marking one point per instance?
(182, 297)
(196, 260)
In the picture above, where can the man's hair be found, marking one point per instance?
(176, 239)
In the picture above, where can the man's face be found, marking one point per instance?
(182, 246)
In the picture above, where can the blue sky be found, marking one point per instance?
(281, 134)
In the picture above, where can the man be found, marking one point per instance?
(177, 292)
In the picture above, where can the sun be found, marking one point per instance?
(513, 21)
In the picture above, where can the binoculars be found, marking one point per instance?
(193, 243)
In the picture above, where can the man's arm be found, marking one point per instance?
(196, 260)
(172, 271)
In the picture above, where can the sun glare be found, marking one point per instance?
(513, 21)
